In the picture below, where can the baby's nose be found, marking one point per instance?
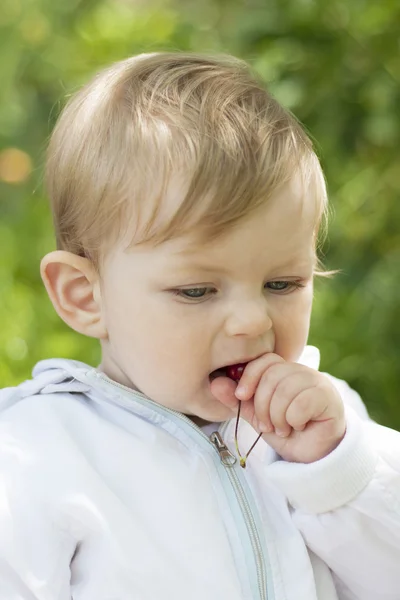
(251, 321)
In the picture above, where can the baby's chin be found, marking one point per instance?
(214, 416)
(199, 421)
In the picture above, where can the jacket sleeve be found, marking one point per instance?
(35, 553)
(347, 505)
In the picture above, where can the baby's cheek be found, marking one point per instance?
(290, 342)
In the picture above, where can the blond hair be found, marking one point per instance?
(125, 135)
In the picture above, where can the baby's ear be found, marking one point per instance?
(73, 286)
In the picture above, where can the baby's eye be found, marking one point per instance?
(194, 293)
(283, 286)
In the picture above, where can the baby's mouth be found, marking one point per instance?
(218, 373)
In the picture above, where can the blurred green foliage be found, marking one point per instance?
(335, 64)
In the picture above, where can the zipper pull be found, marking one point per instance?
(227, 458)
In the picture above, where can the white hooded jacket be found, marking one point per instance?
(106, 495)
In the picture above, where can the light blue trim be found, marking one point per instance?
(267, 565)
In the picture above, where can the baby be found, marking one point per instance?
(187, 205)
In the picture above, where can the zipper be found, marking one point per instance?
(226, 456)
(228, 460)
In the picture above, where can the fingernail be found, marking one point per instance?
(264, 427)
(240, 392)
(281, 433)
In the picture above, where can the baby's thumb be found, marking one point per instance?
(223, 389)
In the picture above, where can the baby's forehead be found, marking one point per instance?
(277, 233)
(251, 242)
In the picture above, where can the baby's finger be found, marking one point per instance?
(287, 389)
(224, 390)
(306, 406)
(252, 374)
(270, 381)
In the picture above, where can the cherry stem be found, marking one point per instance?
(243, 459)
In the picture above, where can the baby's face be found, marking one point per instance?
(177, 312)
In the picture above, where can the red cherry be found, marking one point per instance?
(235, 371)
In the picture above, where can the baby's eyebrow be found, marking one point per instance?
(189, 256)
(197, 266)
(293, 263)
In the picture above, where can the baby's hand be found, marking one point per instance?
(298, 410)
